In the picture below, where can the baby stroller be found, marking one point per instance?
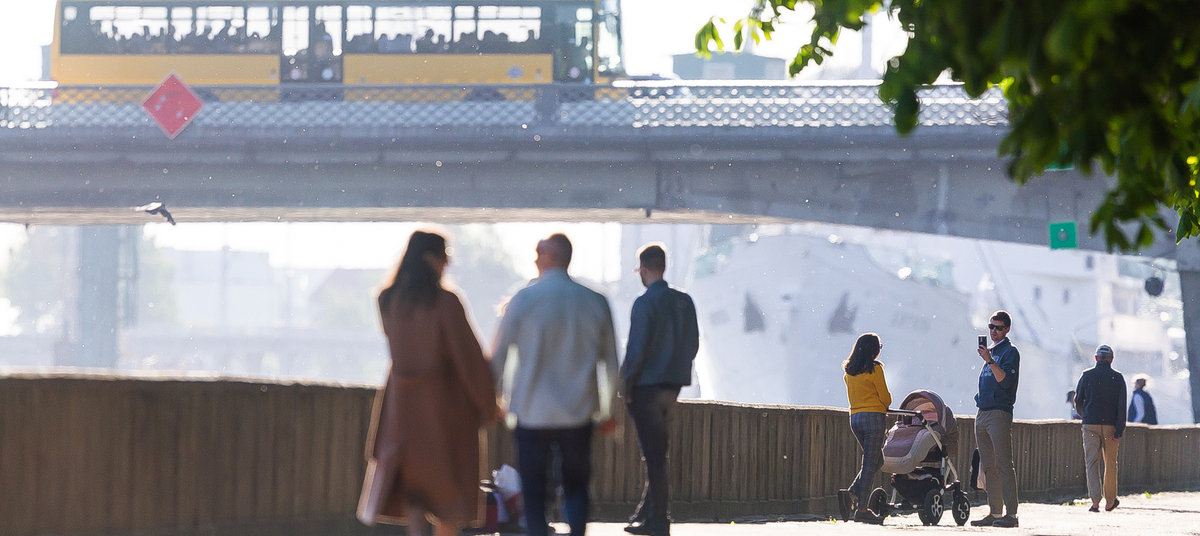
(917, 454)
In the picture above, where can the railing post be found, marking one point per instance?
(546, 105)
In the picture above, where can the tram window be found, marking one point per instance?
(467, 37)
(79, 34)
(512, 29)
(360, 30)
(295, 30)
(327, 43)
(433, 30)
(395, 29)
(262, 29)
(183, 24)
(114, 30)
(329, 28)
(223, 29)
(608, 43)
(572, 41)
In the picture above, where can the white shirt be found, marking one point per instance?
(555, 355)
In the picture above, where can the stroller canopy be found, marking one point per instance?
(935, 412)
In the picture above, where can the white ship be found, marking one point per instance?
(781, 306)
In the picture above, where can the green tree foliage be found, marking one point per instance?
(1107, 85)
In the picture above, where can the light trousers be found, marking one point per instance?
(1098, 442)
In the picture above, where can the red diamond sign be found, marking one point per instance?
(172, 105)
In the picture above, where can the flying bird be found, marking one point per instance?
(157, 208)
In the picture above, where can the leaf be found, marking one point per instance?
(1192, 103)
(707, 35)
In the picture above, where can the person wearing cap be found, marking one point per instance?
(1100, 397)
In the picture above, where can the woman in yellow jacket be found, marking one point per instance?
(869, 400)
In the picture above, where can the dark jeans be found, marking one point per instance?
(651, 408)
(534, 455)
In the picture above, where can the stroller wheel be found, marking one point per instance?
(962, 508)
(933, 507)
(878, 502)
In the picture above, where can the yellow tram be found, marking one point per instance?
(340, 43)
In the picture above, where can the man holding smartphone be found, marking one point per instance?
(993, 422)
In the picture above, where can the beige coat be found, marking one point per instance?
(423, 448)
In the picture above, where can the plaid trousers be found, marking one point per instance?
(870, 428)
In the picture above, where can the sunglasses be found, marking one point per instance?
(994, 327)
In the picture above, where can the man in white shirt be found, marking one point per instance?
(555, 359)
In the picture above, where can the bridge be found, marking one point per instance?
(698, 153)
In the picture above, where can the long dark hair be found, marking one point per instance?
(416, 283)
(862, 359)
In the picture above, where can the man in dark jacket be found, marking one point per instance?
(993, 422)
(1100, 397)
(1141, 405)
(663, 341)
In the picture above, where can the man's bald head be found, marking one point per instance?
(554, 252)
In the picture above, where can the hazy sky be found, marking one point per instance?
(653, 31)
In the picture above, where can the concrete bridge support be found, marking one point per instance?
(99, 262)
(107, 277)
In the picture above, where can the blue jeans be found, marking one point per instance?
(534, 455)
(870, 428)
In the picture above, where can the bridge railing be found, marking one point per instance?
(118, 456)
(634, 105)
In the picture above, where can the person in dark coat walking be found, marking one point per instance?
(1141, 405)
(663, 340)
(1100, 397)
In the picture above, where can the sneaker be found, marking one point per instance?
(985, 522)
(1009, 521)
(867, 516)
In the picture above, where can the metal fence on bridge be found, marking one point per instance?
(722, 104)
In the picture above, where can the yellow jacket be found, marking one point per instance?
(868, 391)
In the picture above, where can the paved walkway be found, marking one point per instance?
(1159, 514)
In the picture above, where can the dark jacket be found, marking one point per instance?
(1000, 395)
(663, 338)
(1149, 415)
(1100, 396)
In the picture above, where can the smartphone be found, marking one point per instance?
(983, 341)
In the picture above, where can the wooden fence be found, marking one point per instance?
(99, 455)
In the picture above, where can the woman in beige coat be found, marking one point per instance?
(423, 450)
